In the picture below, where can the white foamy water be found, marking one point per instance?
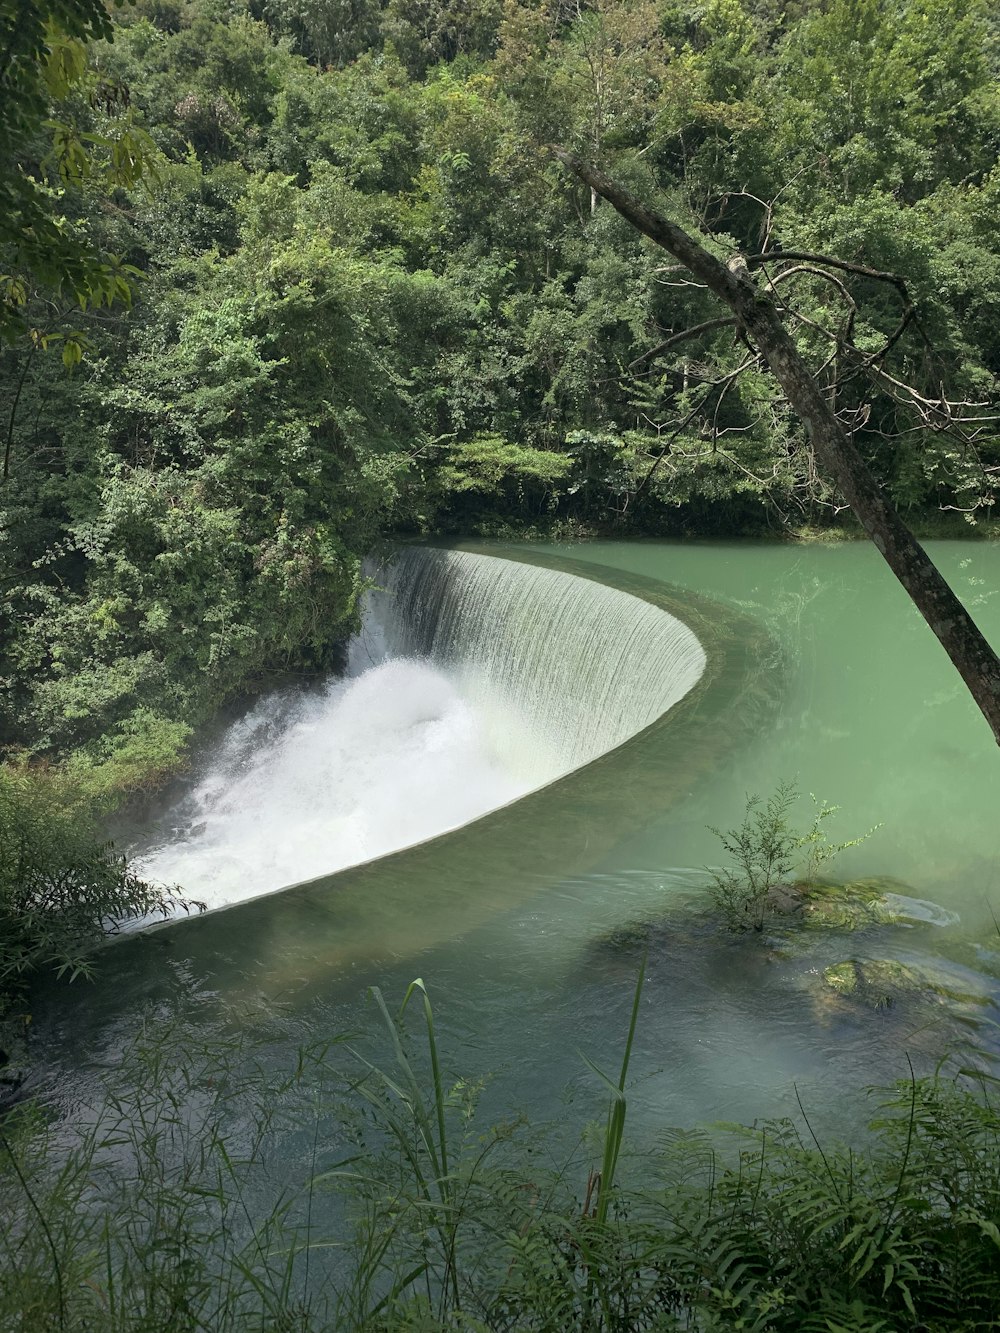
(583, 666)
(298, 790)
(475, 681)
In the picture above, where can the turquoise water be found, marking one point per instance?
(525, 925)
(873, 717)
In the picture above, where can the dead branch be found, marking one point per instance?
(734, 285)
(693, 332)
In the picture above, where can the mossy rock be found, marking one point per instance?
(860, 903)
(882, 983)
(851, 906)
(877, 984)
(842, 977)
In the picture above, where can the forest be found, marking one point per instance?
(363, 300)
(286, 283)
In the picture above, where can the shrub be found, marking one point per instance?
(170, 1215)
(63, 888)
(768, 851)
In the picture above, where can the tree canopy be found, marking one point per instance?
(364, 300)
(45, 61)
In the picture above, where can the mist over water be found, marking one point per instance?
(474, 681)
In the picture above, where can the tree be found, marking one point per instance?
(63, 888)
(43, 56)
(760, 325)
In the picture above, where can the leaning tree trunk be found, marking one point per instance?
(972, 656)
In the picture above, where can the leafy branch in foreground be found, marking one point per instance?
(63, 887)
(172, 1211)
(164, 1214)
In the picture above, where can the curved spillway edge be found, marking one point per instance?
(407, 900)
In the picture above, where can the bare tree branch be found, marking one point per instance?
(733, 284)
(693, 332)
(830, 261)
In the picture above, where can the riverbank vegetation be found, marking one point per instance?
(63, 889)
(161, 1219)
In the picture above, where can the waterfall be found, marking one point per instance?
(474, 681)
(578, 667)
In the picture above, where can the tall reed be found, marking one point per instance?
(163, 1217)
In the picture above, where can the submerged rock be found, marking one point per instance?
(876, 983)
(791, 908)
(876, 901)
(850, 906)
(882, 983)
(627, 936)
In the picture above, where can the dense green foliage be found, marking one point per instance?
(62, 889)
(366, 300)
(163, 1216)
(45, 251)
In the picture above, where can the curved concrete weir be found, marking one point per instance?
(296, 943)
(475, 681)
(561, 668)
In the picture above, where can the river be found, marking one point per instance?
(527, 925)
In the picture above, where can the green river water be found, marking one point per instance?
(526, 924)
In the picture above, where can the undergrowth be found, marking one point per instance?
(171, 1213)
(63, 888)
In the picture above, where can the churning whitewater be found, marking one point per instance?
(303, 787)
(474, 681)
